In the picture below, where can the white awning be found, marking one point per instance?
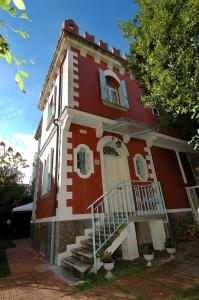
(25, 207)
(129, 127)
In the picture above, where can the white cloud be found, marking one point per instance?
(26, 145)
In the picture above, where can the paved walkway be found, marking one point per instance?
(32, 278)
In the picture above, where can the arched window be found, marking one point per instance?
(113, 90)
(140, 167)
(83, 161)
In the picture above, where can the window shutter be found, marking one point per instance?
(55, 100)
(45, 177)
(123, 94)
(104, 90)
(50, 168)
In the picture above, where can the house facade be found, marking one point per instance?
(103, 164)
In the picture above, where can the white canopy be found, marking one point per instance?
(25, 207)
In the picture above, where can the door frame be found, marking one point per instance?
(124, 152)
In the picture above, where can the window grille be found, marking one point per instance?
(141, 167)
(110, 150)
(83, 161)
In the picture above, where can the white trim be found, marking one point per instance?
(82, 131)
(69, 195)
(76, 103)
(69, 145)
(75, 68)
(76, 85)
(69, 157)
(69, 169)
(75, 76)
(177, 210)
(181, 167)
(76, 94)
(112, 74)
(91, 163)
(97, 59)
(69, 181)
(45, 220)
(138, 155)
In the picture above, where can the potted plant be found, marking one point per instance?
(170, 245)
(148, 253)
(108, 263)
(192, 231)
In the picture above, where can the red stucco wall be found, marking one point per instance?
(169, 174)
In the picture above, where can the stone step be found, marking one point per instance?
(76, 266)
(85, 255)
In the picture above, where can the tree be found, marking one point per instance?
(11, 165)
(13, 8)
(12, 191)
(164, 58)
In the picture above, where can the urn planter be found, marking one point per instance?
(108, 268)
(149, 258)
(171, 251)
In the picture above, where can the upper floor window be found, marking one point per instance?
(51, 108)
(141, 167)
(47, 173)
(83, 161)
(113, 90)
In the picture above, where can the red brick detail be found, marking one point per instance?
(89, 38)
(169, 174)
(116, 51)
(103, 45)
(69, 25)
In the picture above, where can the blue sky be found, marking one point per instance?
(19, 115)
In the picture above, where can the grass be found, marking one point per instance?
(4, 266)
(189, 294)
(122, 269)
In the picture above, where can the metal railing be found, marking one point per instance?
(114, 208)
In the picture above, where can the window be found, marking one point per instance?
(47, 173)
(83, 161)
(113, 90)
(112, 87)
(140, 167)
(51, 108)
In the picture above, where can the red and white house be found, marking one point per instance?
(101, 164)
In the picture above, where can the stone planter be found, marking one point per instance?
(108, 267)
(171, 251)
(149, 258)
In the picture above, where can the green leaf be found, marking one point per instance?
(19, 4)
(24, 16)
(24, 74)
(17, 77)
(8, 57)
(5, 4)
(12, 11)
(21, 85)
(23, 34)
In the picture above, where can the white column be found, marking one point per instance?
(158, 234)
(130, 245)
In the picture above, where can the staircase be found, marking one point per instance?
(111, 215)
(82, 258)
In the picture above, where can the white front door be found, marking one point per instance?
(116, 170)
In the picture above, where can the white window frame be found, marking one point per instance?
(110, 95)
(138, 155)
(90, 163)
